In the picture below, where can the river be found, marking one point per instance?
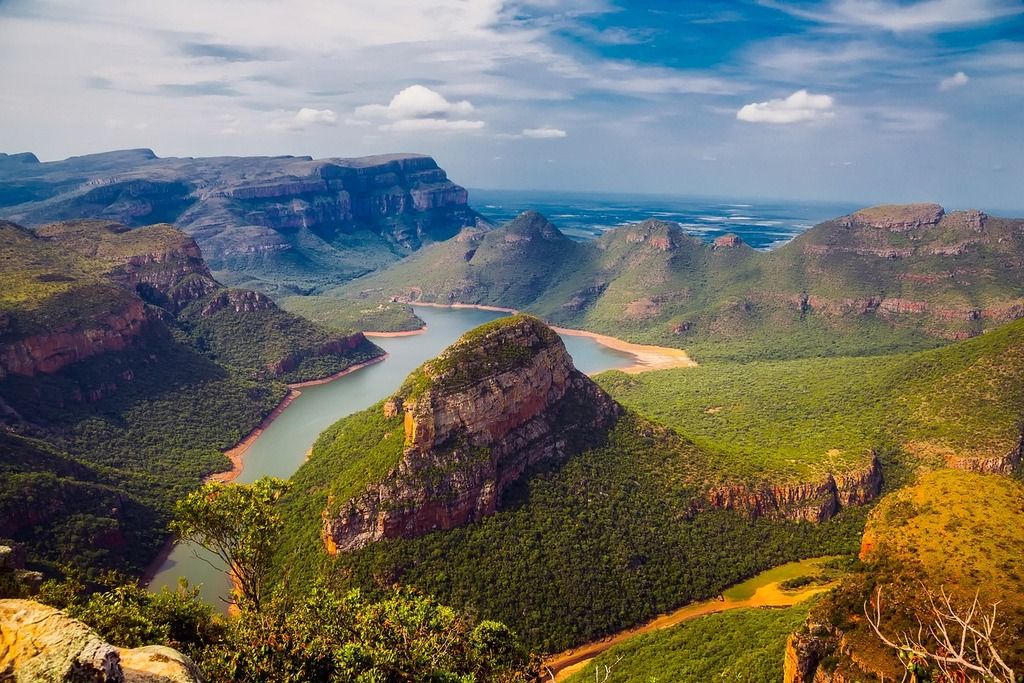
(283, 445)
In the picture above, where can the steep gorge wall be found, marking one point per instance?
(814, 501)
(48, 352)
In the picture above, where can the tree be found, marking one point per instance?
(956, 642)
(240, 525)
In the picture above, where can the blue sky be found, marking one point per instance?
(853, 100)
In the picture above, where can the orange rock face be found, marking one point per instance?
(49, 352)
(811, 502)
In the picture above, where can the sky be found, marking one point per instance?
(848, 100)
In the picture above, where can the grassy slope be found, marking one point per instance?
(269, 335)
(786, 419)
(952, 530)
(43, 286)
(745, 646)
(345, 316)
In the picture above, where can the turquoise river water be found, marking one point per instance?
(282, 447)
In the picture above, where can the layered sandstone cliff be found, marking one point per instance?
(814, 501)
(247, 212)
(503, 398)
(52, 350)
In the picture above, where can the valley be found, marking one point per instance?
(562, 480)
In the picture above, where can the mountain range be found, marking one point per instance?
(881, 279)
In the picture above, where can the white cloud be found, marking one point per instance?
(305, 118)
(955, 81)
(544, 133)
(923, 15)
(418, 108)
(416, 102)
(800, 107)
(412, 125)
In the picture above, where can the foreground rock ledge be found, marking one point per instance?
(41, 644)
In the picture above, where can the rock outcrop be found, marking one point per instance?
(897, 217)
(162, 264)
(814, 501)
(42, 644)
(503, 398)
(1004, 464)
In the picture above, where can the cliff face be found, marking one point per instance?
(93, 287)
(811, 502)
(54, 350)
(293, 208)
(1004, 464)
(474, 420)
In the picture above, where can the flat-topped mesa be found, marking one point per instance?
(504, 397)
(727, 241)
(896, 217)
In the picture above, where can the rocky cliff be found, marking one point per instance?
(814, 501)
(40, 643)
(162, 264)
(66, 344)
(306, 222)
(503, 398)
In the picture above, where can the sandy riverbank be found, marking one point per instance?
(403, 333)
(647, 357)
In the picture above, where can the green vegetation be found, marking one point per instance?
(146, 438)
(796, 574)
(359, 450)
(577, 551)
(820, 295)
(43, 286)
(345, 316)
(951, 531)
(277, 343)
(321, 637)
(131, 431)
(745, 645)
(785, 420)
(239, 525)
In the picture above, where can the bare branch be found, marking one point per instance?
(961, 642)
